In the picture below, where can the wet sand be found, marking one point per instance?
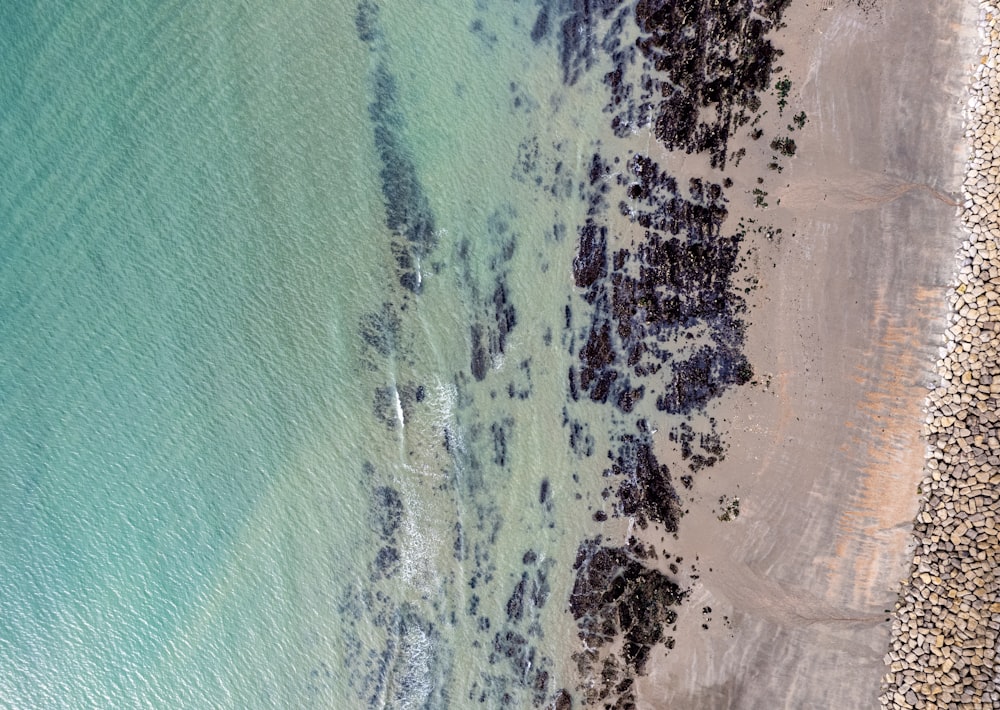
(825, 452)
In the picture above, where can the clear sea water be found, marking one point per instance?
(243, 464)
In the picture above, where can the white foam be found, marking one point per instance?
(419, 545)
(443, 403)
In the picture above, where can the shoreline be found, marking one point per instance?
(946, 621)
(788, 601)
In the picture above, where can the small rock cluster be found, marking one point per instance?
(946, 625)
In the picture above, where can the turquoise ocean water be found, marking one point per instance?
(212, 379)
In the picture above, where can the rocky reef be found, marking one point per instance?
(665, 319)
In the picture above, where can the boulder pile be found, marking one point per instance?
(946, 624)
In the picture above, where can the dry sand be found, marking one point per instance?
(826, 453)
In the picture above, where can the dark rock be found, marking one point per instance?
(515, 605)
(386, 560)
(387, 511)
(479, 363)
(562, 701)
(647, 492)
(501, 431)
(381, 330)
(590, 263)
(616, 595)
(541, 27)
(408, 216)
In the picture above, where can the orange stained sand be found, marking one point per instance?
(887, 450)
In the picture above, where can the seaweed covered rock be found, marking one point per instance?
(616, 595)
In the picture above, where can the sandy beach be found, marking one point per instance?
(790, 602)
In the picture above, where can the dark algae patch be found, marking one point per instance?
(408, 215)
(514, 643)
